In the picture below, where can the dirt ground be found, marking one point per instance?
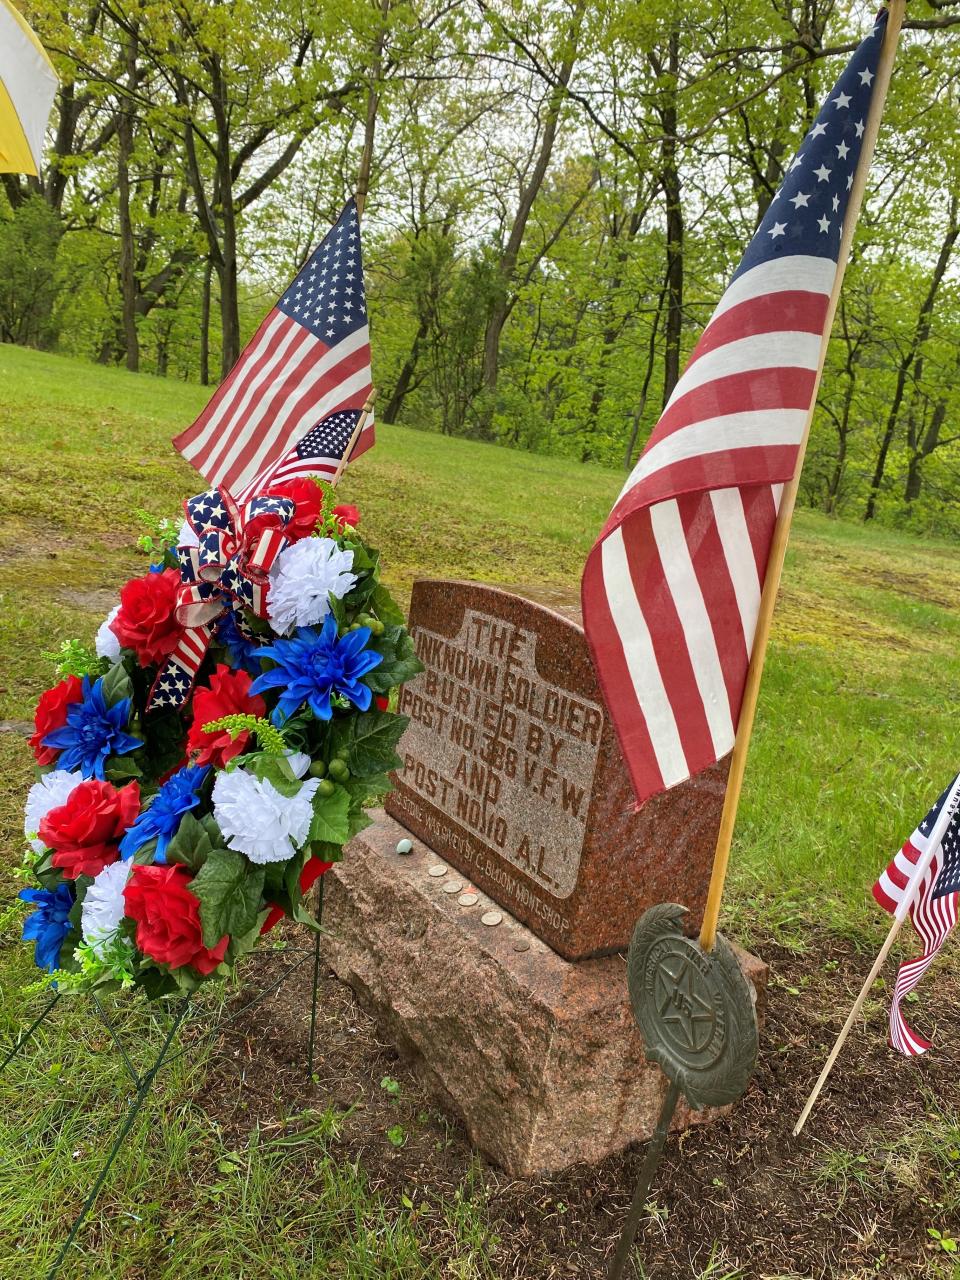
(853, 1197)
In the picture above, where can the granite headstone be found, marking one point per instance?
(513, 773)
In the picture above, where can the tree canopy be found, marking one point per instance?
(557, 195)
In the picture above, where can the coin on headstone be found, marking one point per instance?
(438, 870)
(404, 846)
(521, 944)
(453, 886)
(469, 899)
(491, 917)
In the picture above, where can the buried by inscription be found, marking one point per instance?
(488, 735)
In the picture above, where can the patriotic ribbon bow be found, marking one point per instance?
(227, 567)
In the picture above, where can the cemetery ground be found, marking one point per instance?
(242, 1169)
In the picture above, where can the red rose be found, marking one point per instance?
(147, 621)
(312, 872)
(347, 513)
(51, 713)
(84, 832)
(168, 918)
(383, 704)
(308, 499)
(228, 695)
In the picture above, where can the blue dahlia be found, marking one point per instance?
(161, 818)
(313, 664)
(48, 924)
(93, 731)
(244, 653)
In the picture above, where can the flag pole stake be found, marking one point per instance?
(778, 547)
(945, 817)
(361, 423)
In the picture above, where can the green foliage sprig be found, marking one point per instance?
(270, 738)
(76, 659)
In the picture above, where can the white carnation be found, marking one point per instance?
(49, 793)
(257, 820)
(106, 643)
(302, 581)
(103, 907)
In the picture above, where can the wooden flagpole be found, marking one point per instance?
(361, 422)
(950, 805)
(778, 547)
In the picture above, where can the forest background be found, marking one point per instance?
(557, 195)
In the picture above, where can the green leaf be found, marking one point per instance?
(117, 684)
(196, 838)
(370, 740)
(400, 662)
(121, 769)
(275, 770)
(331, 817)
(385, 607)
(229, 888)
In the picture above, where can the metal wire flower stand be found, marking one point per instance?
(173, 1016)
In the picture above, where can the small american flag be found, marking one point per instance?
(671, 590)
(319, 452)
(933, 908)
(309, 359)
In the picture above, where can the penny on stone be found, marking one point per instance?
(438, 870)
(521, 944)
(491, 918)
(469, 899)
(454, 886)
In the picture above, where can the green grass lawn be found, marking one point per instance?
(855, 737)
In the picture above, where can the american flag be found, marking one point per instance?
(671, 590)
(309, 358)
(932, 906)
(320, 450)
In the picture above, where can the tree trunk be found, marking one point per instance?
(670, 178)
(205, 324)
(500, 305)
(920, 335)
(391, 412)
(128, 275)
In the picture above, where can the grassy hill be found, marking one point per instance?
(855, 737)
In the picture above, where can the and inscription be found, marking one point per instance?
(492, 744)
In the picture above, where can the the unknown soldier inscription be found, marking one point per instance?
(512, 771)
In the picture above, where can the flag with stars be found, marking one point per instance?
(671, 590)
(319, 452)
(933, 911)
(309, 359)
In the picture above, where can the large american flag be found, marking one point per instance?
(309, 359)
(932, 907)
(671, 590)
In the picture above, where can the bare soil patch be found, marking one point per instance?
(852, 1197)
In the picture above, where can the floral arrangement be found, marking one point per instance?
(206, 763)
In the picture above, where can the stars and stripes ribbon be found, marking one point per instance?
(225, 554)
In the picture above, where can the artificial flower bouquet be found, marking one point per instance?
(207, 762)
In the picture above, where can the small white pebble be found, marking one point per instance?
(404, 846)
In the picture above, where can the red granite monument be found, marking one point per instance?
(512, 771)
(490, 945)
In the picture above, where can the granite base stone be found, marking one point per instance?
(539, 1057)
